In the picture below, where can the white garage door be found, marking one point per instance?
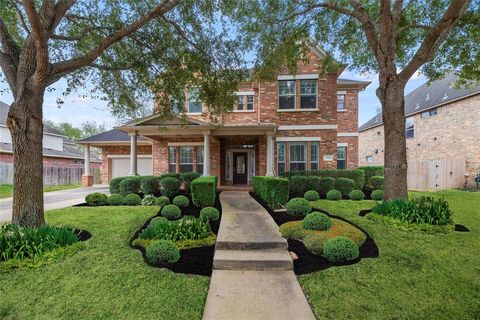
(120, 167)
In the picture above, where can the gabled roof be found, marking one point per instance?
(113, 135)
(429, 96)
(156, 120)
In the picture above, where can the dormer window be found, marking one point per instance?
(308, 94)
(194, 102)
(286, 95)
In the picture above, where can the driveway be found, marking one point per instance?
(54, 200)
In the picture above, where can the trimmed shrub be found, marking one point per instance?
(181, 201)
(298, 185)
(273, 190)
(115, 184)
(317, 221)
(130, 185)
(149, 200)
(311, 195)
(312, 183)
(334, 195)
(188, 177)
(210, 213)
(150, 185)
(204, 191)
(187, 228)
(298, 207)
(371, 171)
(358, 176)
(115, 199)
(326, 184)
(377, 195)
(376, 183)
(340, 249)
(162, 251)
(171, 211)
(357, 195)
(96, 199)
(162, 201)
(170, 175)
(132, 200)
(345, 186)
(158, 220)
(170, 186)
(314, 244)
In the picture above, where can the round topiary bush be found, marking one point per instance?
(298, 207)
(340, 249)
(345, 185)
(317, 221)
(150, 185)
(96, 199)
(314, 244)
(171, 211)
(132, 200)
(148, 200)
(115, 199)
(377, 195)
(311, 195)
(357, 195)
(209, 213)
(130, 185)
(376, 183)
(334, 195)
(158, 220)
(162, 201)
(181, 201)
(162, 251)
(170, 186)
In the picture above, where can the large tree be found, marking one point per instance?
(394, 38)
(123, 51)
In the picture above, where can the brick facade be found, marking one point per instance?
(54, 161)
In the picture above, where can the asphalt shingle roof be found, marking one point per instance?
(111, 135)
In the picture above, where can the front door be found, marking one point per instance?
(240, 168)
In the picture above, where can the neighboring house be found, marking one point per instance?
(299, 122)
(58, 150)
(442, 123)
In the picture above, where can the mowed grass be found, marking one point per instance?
(105, 280)
(6, 190)
(417, 276)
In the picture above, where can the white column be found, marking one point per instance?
(87, 160)
(269, 171)
(133, 154)
(206, 154)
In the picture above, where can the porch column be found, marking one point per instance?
(87, 178)
(133, 154)
(206, 154)
(269, 171)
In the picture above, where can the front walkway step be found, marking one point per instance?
(252, 260)
(251, 295)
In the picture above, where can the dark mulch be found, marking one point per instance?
(461, 228)
(83, 235)
(363, 213)
(308, 262)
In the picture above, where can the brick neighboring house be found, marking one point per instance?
(299, 122)
(441, 123)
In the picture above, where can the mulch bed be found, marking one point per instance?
(83, 235)
(197, 261)
(308, 262)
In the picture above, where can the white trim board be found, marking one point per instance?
(347, 134)
(308, 127)
(297, 139)
(342, 144)
(123, 156)
(298, 76)
(245, 93)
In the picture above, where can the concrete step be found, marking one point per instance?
(252, 260)
(259, 244)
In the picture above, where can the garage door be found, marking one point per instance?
(120, 167)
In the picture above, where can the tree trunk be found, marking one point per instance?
(25, 124)
(391, 95)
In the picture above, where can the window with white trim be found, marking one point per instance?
(172, 159)
(369, 159)
(245, 103)
(249, 102)
(286, 94)
(186, 159)
(409, 127)
(200, 159)
(341, 157)
(314, 155)
(297, 156)
(194, 102)
(308, 94)
(281, 157)
(429, 113)
(341, 105)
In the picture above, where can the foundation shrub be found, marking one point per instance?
(298, 207)
(210, 213)
(162, 251)
(311, 195)
(326, 184)
(371, 171)
(170, 186)
(158, 220)
(171, 211)
(187, 177)
(334, 195)
(357, 195)
(162, 201)
(132, 200)
(204, 191)
(150, 185)
(181, 201)
(130, 185)
(115, 184)
(298, 186)
(96, 199)
(340, 249)
(358, 176)
(377, 195)
(345, 186)
(317, 221)
(272, 190)
(376, 183)
(115, 199)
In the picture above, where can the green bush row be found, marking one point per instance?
(273, 190)
(301, 184)
(371, 171)
(358, 176)
(204, 191)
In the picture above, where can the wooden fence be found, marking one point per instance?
(52, 176)
(431, 175)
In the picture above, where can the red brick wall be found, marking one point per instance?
(54, 161)
(348, 119)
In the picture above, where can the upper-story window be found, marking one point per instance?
(194, 102)
(286, 94)
(308, 94)
(245, 103)
(341, 106)
(429, 113)
(409, 127)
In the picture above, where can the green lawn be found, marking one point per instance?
(417, 276)
(105, 280)
(6, 190)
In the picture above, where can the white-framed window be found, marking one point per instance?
(186, 159)
(281, 158)
(341, 105)
(308, 94)
(369, 159)
(297, 156)
(286, 94)
(250, 103)
(244, 103)
(409, 127)
(194, 102)
(429, 113)
(200, 159)
(341, 157)
(314, 156)
(172, 159)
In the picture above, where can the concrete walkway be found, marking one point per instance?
(252, 270)
(54, 199)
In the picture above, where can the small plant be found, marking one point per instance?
(314, 244)
(317, 221)
(132, 200)
(130, 185)
(150, 185)
(334, 195)
(115, 199)
(162, 251)
(357, 195)
(181, 201)
(311, 195)
(158, 220)
(148, 200)
(171, 211)
(209, 213)
(162, 201)
(96, 199)
(340, 249)
(377, 195)
(170, 186)
(187, 228)
(298, 207)
(345, 185)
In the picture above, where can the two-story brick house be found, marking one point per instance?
(298, 122)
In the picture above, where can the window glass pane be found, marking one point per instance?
(172, 159)
(297, 156)
(409, 127)
(286, 102)
(240, 102)
(194, 103)
(308, 94)
(186, 159)
(281, 158)
(308, 102)
(200, 159)
(341, 157)
(341, 102)
(249, 102)
(286, 94)
(314, 156)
